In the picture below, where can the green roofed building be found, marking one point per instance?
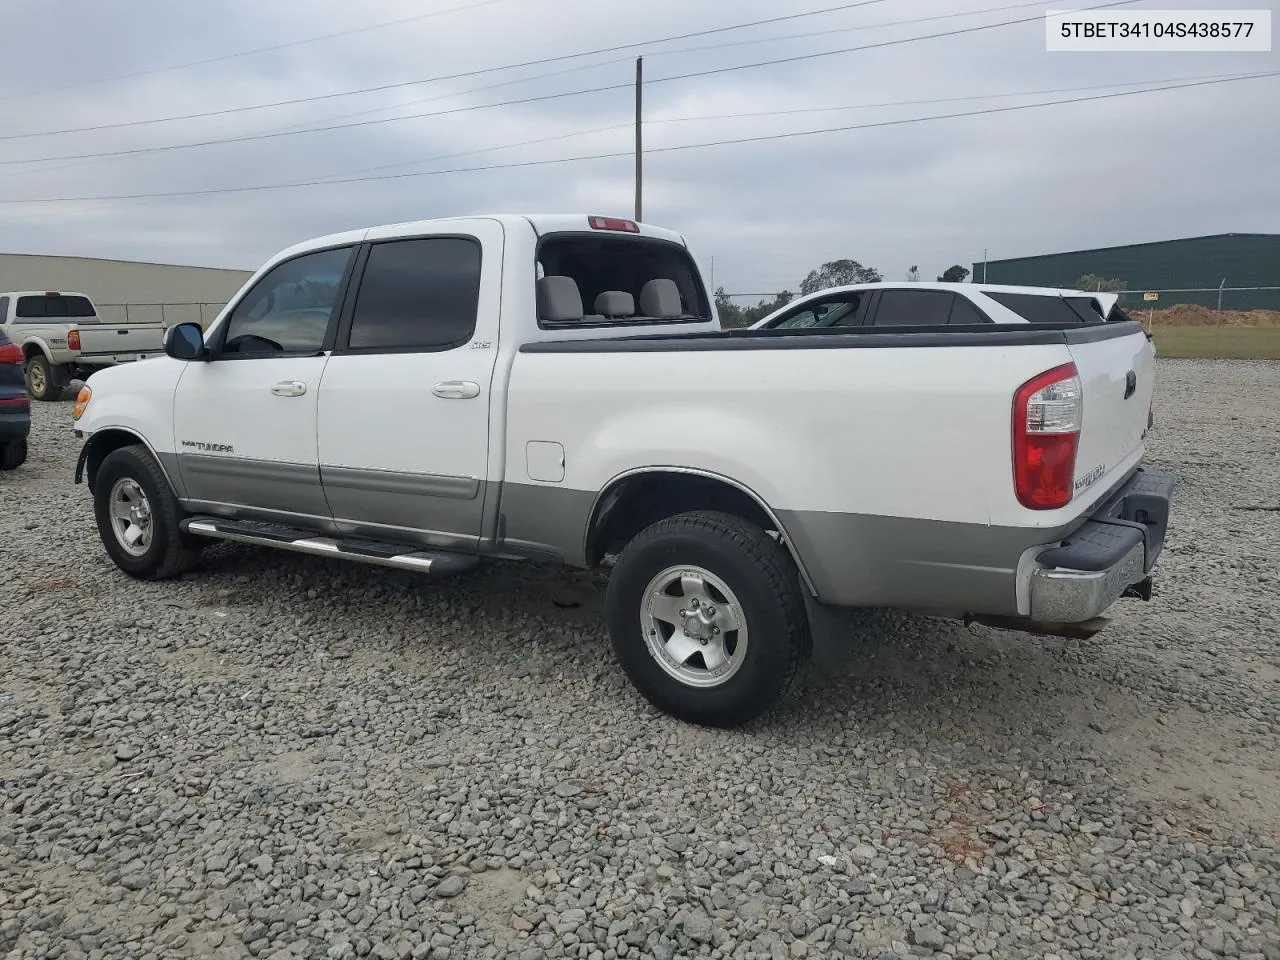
(1203, 263)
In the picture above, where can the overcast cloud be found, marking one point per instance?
(1129, 169)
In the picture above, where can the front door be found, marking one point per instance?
(405, 399)
(245, 419)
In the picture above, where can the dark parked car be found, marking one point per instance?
(15, 406)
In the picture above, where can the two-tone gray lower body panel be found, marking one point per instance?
(851, 560)
(857, 560)
(421, 509)
(265, 484)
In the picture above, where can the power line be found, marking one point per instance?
(801, 110)
(627, 153)
(550, 96)
(934, 100)
(303, 127)
(249, 53)
(452, 76)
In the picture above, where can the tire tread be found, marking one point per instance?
(772, 560)
(180, 554)
(13, 454)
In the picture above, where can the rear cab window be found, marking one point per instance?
(598, 280)
(54, 306)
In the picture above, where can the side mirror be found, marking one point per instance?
(185, 341)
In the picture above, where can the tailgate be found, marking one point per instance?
(1118, 377)
(120, 340)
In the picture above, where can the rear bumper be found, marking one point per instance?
(1112, 554)
(15, 421)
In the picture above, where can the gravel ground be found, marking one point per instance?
(286, 757)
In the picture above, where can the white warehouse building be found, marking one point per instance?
(127, 290)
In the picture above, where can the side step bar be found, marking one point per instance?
(376, 552)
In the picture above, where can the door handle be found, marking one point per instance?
(289, 388)
(456, 389)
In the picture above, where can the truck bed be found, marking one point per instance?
(888, 460)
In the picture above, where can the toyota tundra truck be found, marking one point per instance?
(557, 388)
(62, 338)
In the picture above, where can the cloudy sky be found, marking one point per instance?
(890, 194)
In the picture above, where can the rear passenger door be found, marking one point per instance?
(905, 307)
(405, 399)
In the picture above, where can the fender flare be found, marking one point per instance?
(132, 438)
(43, 347)
(597, 505)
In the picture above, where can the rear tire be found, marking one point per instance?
(44, 380)
(13, 454)
(707, 619)
(138, 517)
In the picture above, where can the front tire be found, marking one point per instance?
(13, 454)
(138, 517)
(44, 380)
(707, 619)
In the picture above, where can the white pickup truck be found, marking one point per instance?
(62, 337)
(558, 388)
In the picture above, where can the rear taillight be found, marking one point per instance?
(73, 339)
(1047, 415)
(11, 353)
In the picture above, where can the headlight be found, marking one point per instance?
(82, 401)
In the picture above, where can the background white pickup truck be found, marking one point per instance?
(62, 338)
(557, 387)
(889, 305)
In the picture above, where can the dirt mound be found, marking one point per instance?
(1194, 315)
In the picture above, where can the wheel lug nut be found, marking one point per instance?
(693, 602)
(715, 630)
(711, 611)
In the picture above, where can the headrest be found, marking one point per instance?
(661, 299)
(559, 300)
(615, 303)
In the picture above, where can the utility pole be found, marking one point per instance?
(984, 264)
(639, 139)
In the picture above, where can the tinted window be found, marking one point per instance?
(1038, 308)
(1087, 308)
(4, 309)
(841, 311)
(41, 307)
(288, 310)
(963, 311)
(418, 294)
(913, 308)
(601, 263)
